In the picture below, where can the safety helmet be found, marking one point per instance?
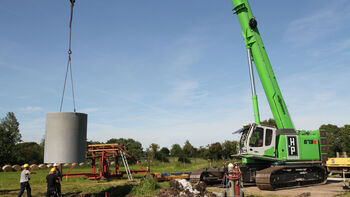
(26, 165)
(53, 169)
(55, 165)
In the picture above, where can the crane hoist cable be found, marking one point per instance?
(69, 63)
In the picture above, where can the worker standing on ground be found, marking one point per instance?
(24, 180)
(52, 181)
(59, 177)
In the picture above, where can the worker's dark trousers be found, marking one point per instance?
(25, 185)
(51, 192)
(58, 187)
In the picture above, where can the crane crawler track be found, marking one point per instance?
(281, 177)
(208, 175)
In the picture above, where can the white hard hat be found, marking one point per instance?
(230, 167)
(55, 165)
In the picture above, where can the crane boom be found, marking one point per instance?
(254, 44)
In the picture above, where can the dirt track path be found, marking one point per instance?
(332, 188)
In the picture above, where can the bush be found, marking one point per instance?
(184, 159)
(146, 187)
(161, 157)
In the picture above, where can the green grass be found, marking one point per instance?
(147, 187)
(175, 166)
(9, 181)
(347, 194)
(72, 185)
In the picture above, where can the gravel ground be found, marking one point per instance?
(333, 187)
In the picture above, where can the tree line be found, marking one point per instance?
(215, 151)
(15, 151)
(12, 149)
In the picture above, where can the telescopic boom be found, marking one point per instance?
(256, 48)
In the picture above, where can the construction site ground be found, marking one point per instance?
(333, 187)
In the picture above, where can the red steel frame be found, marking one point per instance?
(103, 152)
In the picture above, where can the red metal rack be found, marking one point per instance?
(104, 153)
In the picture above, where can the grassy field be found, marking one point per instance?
(75, 186)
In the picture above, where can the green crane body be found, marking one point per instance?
(310, 145)
(272, 157)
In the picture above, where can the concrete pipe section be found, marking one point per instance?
(65, 137)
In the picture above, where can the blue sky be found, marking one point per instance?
(164, 71)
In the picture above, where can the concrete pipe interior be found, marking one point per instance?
(65, 137)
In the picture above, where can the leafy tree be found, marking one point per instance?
(229, 148)
(165, 151)
(333, 139)
(195, 152)
(154, 153)
(42, 142)
(153, 149)
(176, 150)
(270, 122)
(204, 152)
(345, 138)
(188, 149)
(183, 158)
(215, 151)
(160, 156)
(9, 137)
(90, 142)
(132, 147)
(42, 146)
(30, 152)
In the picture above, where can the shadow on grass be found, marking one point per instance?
(8, 191)
(118, 191)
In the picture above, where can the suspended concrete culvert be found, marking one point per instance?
(65, 137)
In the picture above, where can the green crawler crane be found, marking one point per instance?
(275, 157)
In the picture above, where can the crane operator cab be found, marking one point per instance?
(257, 140)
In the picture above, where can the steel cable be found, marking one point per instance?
(69, 64)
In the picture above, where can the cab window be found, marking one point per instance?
(268, 137)
(257, 137)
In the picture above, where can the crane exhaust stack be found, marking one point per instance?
(65, 137)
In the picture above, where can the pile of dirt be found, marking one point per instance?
(183, 188)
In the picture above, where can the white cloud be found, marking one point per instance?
(91, 109)
(319, 24)
(31, 109)
(199, 129)
(185, 92)
(316, 97)
(33, 129)
(332, 49)
(187, 51)
(184, 89)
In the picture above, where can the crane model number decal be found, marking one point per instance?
(310, 142)
(292, 145)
